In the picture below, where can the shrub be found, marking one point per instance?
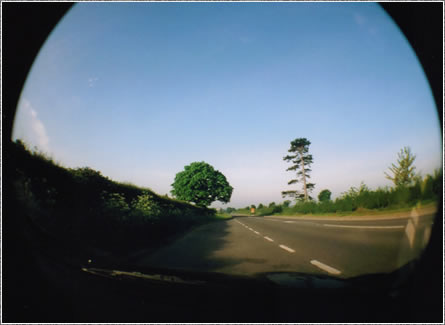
(427, 191)
(277, 209)
(326, 207)
(324, 195)
(115, 206)
(146, 208)
(345, 204)
(230, 209)
(400, 196)
(437, 183)
(305, 207)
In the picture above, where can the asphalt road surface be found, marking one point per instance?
(251, 245)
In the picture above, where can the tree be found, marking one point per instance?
(301, 160)
(403, 172)
(324, 196)
(201, 184)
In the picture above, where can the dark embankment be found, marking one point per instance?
(88, 216)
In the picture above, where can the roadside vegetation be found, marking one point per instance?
(362, 200)
(86, 207)
(410, 189)
(82, 206)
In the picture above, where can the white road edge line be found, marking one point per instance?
(267, 238)
(363, 227)
(325, 267)
(289, 221)
(290, 250)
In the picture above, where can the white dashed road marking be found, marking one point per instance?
(289, 221)
(290, 250)
(325, 267)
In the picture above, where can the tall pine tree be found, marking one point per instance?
(301, 160)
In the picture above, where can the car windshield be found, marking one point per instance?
(236, 138)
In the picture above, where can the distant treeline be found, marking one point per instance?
(83, 204)
(423, 190)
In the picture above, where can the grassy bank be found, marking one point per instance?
(83, 206)
(223, 216)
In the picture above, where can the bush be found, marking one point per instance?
(345, 204)
(324, 195)
(115, 206)
(437, 183)
(305, 207)
(146, 209)
(400, 196)
(277, 209)
(326, 207)
(230, 210)
(427, 191)
(286, 204)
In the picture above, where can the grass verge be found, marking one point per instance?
(430, 207)
(222, 216)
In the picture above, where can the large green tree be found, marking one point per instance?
(201, 184)
(403, 172)
(301, 161)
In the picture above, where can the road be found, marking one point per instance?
(341, 248)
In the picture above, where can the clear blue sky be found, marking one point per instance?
(139, 90)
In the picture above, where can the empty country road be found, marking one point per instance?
(342, 248)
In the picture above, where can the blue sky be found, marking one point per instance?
(139, 90)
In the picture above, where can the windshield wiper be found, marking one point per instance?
(139, 275)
